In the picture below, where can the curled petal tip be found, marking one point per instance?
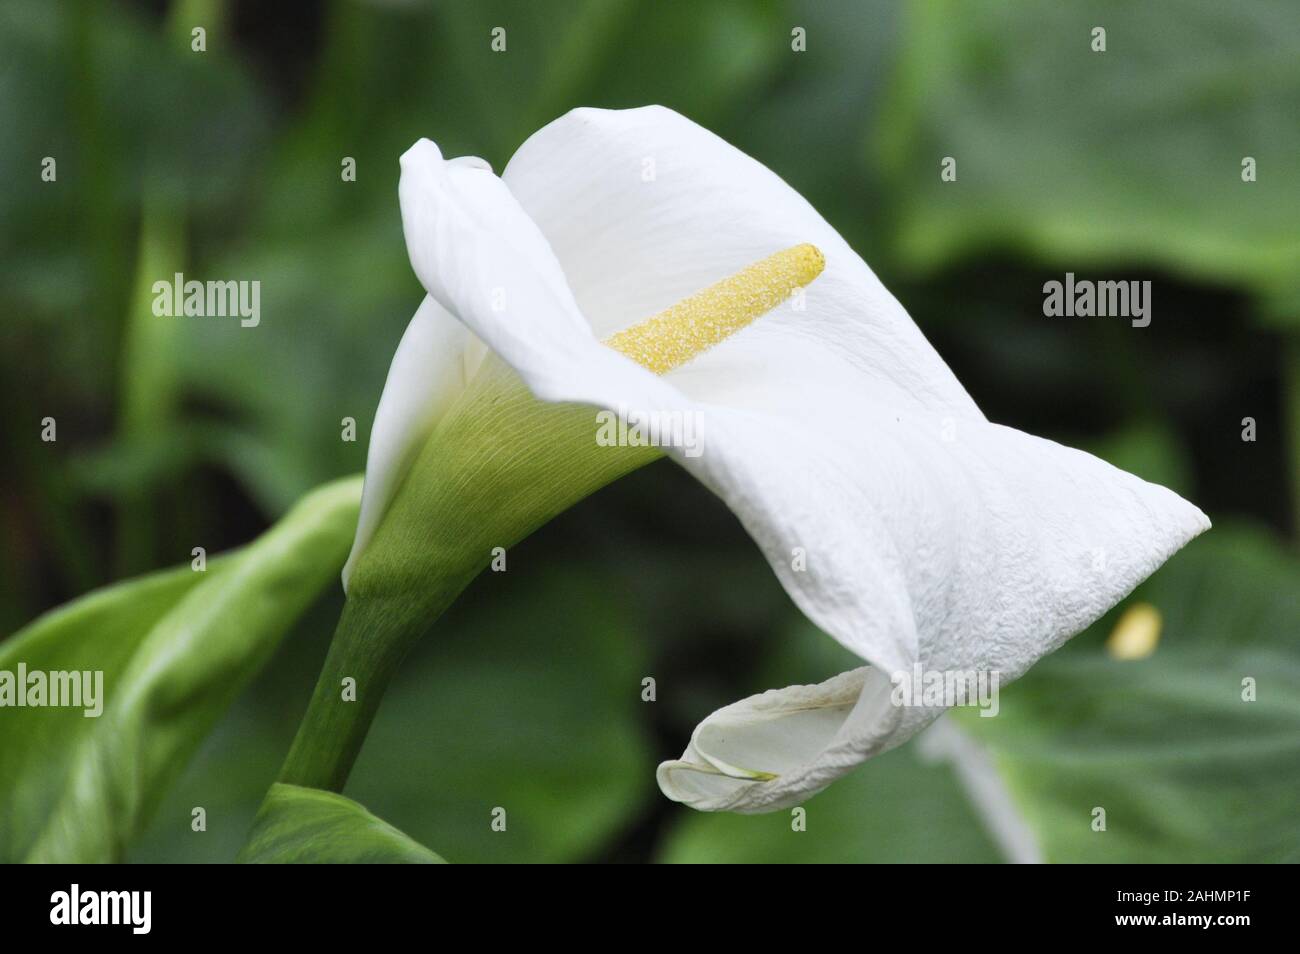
(424, 150)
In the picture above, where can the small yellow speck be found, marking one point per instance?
(1136, 634)
(692, 326)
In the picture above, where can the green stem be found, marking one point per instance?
(370, 642)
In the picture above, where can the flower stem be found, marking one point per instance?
(372, 639)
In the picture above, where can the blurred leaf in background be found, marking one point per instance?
(132, 120)
(1127, 160)
(532, 705)
(174, 650)
(1193, 752)
(1085, 157)
(227, 164)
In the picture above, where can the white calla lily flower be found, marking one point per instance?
(829, 425)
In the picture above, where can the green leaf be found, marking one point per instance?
(1095, 158)
(1185, 769)
(307, 826)
(175, 648)
(39, 746)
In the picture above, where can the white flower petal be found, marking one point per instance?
(632, 247)
(481, 259)
(980, 553)
(427, 373)
(930, 535)
(480, 256)
(754, 755)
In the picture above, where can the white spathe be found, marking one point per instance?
(931, 535)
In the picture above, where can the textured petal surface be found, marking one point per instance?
(980, 553)
(901, 522)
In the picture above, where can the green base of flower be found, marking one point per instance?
(499, 465)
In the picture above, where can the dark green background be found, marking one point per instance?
(225, 164)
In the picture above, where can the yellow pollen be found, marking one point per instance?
(695, 324)
(1136, 634)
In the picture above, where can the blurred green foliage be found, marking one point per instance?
(1087, 158)
(226, 163)
(175, 649)
(1183, 767)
